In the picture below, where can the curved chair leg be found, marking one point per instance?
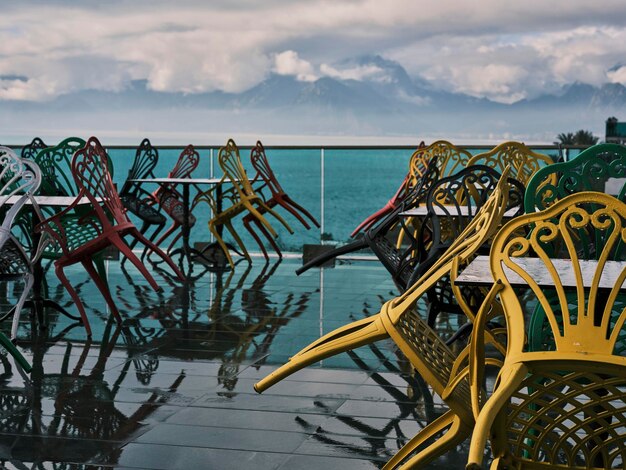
(302, 210)
(342, 250)
(255, 212)
(455, 434)
(246, 224)
(166, 234)
(229, 226)
(221, 243)
(154, 248)
(29, 280)
(144, 227)
(281, 220)
(58, 269)
(146, 248)
(283, 202)
(372, 219)
(258, 215)
(103, 288)
(509, 381)
(269, 238)
(350, 336)
(173, 242)
(13, 351)
(119, 243)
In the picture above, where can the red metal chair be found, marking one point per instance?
(278, 197)
(415, 171)
(104, 226)
(171, 200)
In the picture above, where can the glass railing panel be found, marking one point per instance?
(358, 182)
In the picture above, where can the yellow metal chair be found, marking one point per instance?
(448, 158)
(242, 198)
(441, 368)
(523, 161)
(558, 403)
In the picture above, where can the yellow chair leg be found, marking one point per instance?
(221, 243)
(342, 339)
(455, 434)
(509, 380)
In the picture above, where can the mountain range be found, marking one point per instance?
(388, 102)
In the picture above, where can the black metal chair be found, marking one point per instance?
(452, 204)
(135, 197)
(382, 238)
(31, 150)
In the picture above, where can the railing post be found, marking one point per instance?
(322, 183)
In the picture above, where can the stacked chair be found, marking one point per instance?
(134, 196)
(18, 178)
(524, 163)
(265, 179)
(449, 159)
(104, 225)
(242, 199)
(170, 199)
(399, 319)
(558, 402)
(386, 231)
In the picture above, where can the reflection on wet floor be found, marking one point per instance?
(172, 387)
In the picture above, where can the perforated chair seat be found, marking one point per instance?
(143, 210)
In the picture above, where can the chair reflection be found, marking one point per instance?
(85, 409)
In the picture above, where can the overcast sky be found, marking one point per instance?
(502, 50)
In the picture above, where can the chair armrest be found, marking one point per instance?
(53, 225)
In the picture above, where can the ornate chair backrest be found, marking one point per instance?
(90, 167)
(55, 163)
(263, 169)
(230, 163)
(17, 177)
(576, 380)
(591, 170)
(146, 158)
(402, 316)
(31, 150)
(186, 164)
(450, 158)
(459, 197)
(523, 161)
(590, 323)
(418, 164)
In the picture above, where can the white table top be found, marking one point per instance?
(57, 201)
(180, 180)
(422, 211)
(478, 272)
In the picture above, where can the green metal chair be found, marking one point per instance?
(57, 180)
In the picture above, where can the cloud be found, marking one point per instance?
(618, 75)
(507, 68)
(289, 63)
(490, 48)
(359, 73)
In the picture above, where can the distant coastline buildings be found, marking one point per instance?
(615, 131)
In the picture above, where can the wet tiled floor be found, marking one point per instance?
(172, 387)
